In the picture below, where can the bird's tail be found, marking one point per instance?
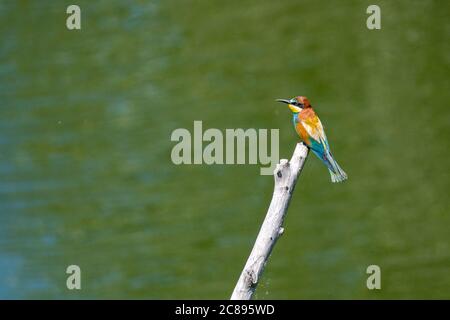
(337, 175)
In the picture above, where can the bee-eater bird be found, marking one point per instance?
(308, 126)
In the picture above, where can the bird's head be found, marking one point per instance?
(296, 104)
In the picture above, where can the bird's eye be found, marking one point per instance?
(294, 102)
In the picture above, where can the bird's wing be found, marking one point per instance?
(319, 142)
(315, 130)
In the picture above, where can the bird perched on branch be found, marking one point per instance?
(308, 126)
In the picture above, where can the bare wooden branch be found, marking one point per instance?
(285, 174)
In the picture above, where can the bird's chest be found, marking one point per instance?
(295, 119)
(299, 128)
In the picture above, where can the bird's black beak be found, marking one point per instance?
(283, 100)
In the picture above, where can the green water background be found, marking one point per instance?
(85, 170)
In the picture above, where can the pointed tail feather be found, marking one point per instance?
(339, 175)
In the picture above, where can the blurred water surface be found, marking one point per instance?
(85, 124)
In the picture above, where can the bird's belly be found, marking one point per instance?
(301, 131)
